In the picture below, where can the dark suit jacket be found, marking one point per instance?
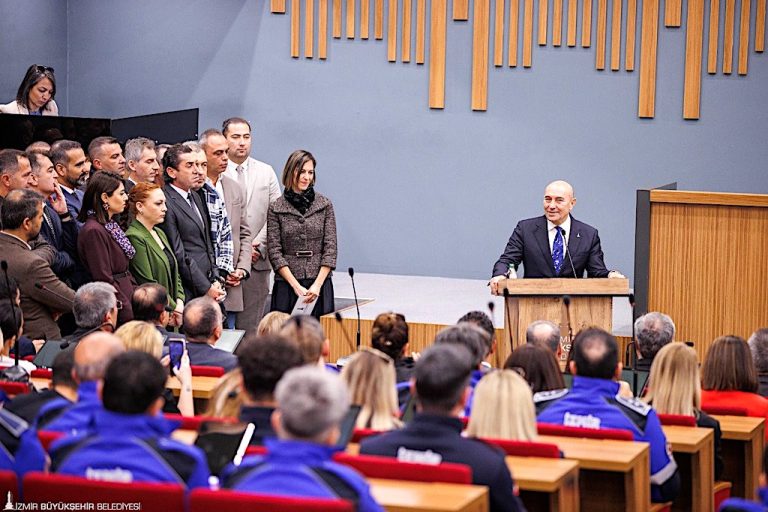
(74, 201)
(202, 354)
(62, 236)
(191, 242)
(529, 245)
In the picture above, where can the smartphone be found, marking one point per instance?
(175, 350)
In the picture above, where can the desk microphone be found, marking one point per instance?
(14, 373)
(41, 286)
(568, 254)
(357, 306)
(633, 343)
(567, 304)
(508, 318)
(491, 309)
(337, 316)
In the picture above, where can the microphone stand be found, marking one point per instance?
(357, 306)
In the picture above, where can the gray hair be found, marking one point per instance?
(758, 345)
(536, 335)
(652, 331)
(311, 401)
(193, 145)
(92, 302)
(135, 147)
(468, 335)
(210, 132)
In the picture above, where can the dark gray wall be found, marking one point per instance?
(32, 32)
(420, 191)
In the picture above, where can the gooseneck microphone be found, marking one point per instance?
(567, 304)
(15, 373)
(508, 316)
(568, 253)
(357, 306)
(41, 286)
(337, 316)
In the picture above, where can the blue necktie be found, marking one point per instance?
(557, 250)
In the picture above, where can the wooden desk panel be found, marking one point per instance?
(405, 496)
(546, 484)
(202, 387)
(693, 449)
(743, 444)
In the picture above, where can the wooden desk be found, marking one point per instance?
(743, 443)
(546, 484)
(693, 449)
(613, 475)
(202, 387)
(404, 496)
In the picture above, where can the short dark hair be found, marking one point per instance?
(483, 321)
(442, 374)
(149, 301)
(233, 120)
(539, 367)
(9, 160)
(10, 320)
(132, 382)
(101, 182)
(595, 353)
(34, 74)
(201, 317)
(264, 361)
(172, 159)
(62, 369)
(59, 150)
(469, 335)
(99, 142)
(19, 205)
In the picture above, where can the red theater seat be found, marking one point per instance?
(207, 371)
(548, 429)
(677, 419)
(392, 469)
(42, 373)
(8, 482)
(47, 437)
(361, 433)
(725, 410)
(203, 500)
(14, 388)
(526, 448)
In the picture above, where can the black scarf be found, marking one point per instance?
(301, 201)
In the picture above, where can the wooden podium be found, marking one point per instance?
(542, 299)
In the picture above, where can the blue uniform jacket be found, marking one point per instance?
(595, 403)
(74, 417)
(473, 380)
(20, 449)
(129, 447)
(297, 468)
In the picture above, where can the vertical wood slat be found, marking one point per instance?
(295, 12)
(350, 19)
(648, 46)
(586, 24)
(714, 25)
(406, 35)
(673, 10)
(694, 41)
(730, 11)
(421, 17)
(460, 10)
(277, 6)
(602, 21)
(573, 5)
(498, 34)
(760, 27)
(392, 31)
(616, 36)
(336, 22)
(309, 27)
(629, 46)
(480, 40)
(527, 33)
(322, 29)
(437, 28)
(557, 23)
(543, 12)
(514, 24)
(744, 37)
(378, 19)
(365, 19)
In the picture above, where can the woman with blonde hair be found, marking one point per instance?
(370, 377)
(503, 408)
(272, 322)
(227, 397)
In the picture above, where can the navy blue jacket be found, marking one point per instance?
(20, 449)
(203, 354)
(432, 439)
(595, 403)
(62, 236)
(297, 468)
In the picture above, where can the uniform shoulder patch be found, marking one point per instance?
(635, 404)
(547, 396)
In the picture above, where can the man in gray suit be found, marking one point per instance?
(187, 225)
(232, 197)
(261, 187)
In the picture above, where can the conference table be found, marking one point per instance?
(546, 484)
(693, 449)
(742, 443)
(407, 496)
(202, 387)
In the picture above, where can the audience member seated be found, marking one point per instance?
(674, 387)
(11, 326)
(390, 335)
(272, 322)
(595, 402)
(63, 387)
(729, 377)
(143, 336)
(263, 364)
(35, 94)
(150, 304)
(308, 334)
(370, 378)
(744, 505)
(652, 331)
(70, 163)
(106, 155)
(310, 406)
(15, 171)
(441, 388)
(154, 261)
(478, 344)
(483, 321)
(141, 162)
(21, 217)
(128, 441)
(102, 245)
(20, 450)
(203, 327)
(503, 408)
(537, 365)
(758, 345)
(95, 309)
(544, 334)
(92, 356)
(227, 397)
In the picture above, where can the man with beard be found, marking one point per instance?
(69, 161)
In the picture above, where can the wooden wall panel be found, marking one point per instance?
(460, 10)
(543, 21)
(421, 24)
(557, 23)
(480, 21)
(336, 21)
(714, 25)
(648, 43)
(514, 24)
(616, 36)
(406, 31)
(378, 19)
(350, 19)
(730, 11)
(760, 26)
(277, 6)
(392, 31)
(602, 21)
(437, 28)
(498, 34)
(673, 11)
(527, 33)
(295, 27)
(629, 46)
(586, 24)
(322, 29)
(573, 6)
(744, 37)
(694, 40)
(309, 28)
(365, 19)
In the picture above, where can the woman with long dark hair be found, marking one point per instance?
(35, 94)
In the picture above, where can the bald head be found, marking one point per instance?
(595, 354)
(544, 333)
(94, 353)
(558, 201)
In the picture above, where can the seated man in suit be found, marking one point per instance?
(652, 331)
(595, 402)
(545, 247)
(202, 326)
(310, 406)
(150, 304)
(127, 440)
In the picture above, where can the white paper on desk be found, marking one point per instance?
(303, 308)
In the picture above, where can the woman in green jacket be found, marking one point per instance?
(154, 261)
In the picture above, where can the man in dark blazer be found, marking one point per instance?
(554, 245)
(203, 326)
(186, 224)
(69, 161)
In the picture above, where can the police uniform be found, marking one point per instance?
(595, 403)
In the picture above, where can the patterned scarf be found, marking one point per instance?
(119, 236)
(301, 201)
(221, 229)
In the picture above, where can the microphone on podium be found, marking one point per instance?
(357, 307)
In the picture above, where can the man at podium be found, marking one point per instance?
(553, 245)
